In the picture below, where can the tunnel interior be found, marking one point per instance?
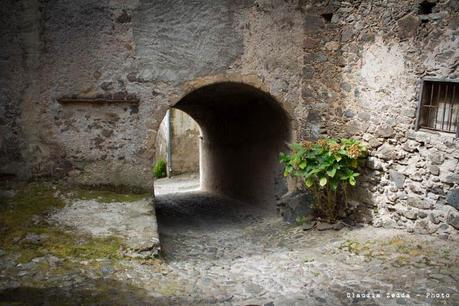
(243, 129)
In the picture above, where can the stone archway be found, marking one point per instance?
(243, 131)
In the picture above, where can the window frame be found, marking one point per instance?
(419, 106)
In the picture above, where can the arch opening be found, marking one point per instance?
(243, 129)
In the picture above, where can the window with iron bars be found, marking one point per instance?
(438, 107)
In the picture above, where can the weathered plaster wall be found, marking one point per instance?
(337, 68)
(157, 51)
(17, 23)
(185, 143)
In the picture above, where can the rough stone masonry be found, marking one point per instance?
(336, 68)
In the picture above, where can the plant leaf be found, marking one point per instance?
(309, 182)
(303, 165)
(352, 181)
(323, 181)
(332, 172)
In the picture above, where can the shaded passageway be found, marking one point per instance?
(242, 132)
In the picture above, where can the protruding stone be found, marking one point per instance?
(388, 223)
(452, 198)
(407, 26)
(451, 179)
(437, 158)
(374, 163)
(308, 226)
(387, 152)
(434, 170)
(409, 146)
(410, 214)
(418, 203)
(295, 205)
(397, 178)
(322, 226)
(385, 132)
(339, 226)
(453, 220)
(436, 217)
(421, 227)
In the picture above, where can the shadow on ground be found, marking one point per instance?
(200, 225)
(204, 211)
(93, 292)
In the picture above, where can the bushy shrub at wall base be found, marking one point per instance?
(328, 167)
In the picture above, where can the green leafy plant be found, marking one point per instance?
(327, 167)
(159, 169)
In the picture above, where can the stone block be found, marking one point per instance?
(453, 220)
(308, 72)
(397, 178)
(452, 198)
(323, 226)
(422, 227)
(407, 26)
(418, 203)
(436, 158)
(436, 217)
(387, 152)
(388, 223)
(313, 23)
(295, 205)
(410, 214)
(434, 170)
(409, 146)
(385, 132)
(451, 178)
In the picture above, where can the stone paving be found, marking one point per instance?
(177, 184)
(219, 251)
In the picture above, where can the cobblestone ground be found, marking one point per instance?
(219, 251)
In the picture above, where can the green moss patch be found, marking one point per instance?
(16, 214)
(23, 215)
(68, 245)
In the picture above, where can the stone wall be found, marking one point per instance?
(337, 68)
(185, 143)
(119, 49)
(365, 62)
